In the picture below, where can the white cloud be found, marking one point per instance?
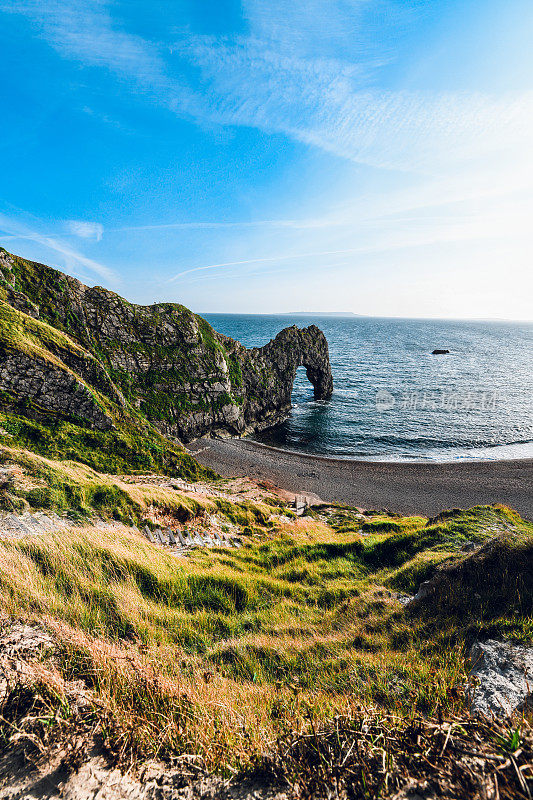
(321, 28)
(321, 102)
(72, 258)
(84, 229)
(84, 30)
(467, 155)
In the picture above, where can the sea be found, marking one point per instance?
(395, 401)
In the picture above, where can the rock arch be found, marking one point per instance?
(314, 356)
(160, 365)
(269, 373)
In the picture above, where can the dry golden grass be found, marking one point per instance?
(224, 652)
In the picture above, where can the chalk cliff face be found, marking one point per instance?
(89, 355)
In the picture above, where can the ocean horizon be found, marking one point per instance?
(394, 400)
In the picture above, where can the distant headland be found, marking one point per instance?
(318, 314)
(287, 314)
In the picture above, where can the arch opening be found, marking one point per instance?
(303, 389)
(321, 380)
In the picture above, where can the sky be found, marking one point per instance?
(263, 156)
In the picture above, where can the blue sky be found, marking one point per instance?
(372, 156)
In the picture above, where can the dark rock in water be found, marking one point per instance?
(439, 352)
(107, 359)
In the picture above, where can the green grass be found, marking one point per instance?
(489, 593)
(33, 337)
(227, 649)
(124, 450)
(79, 490)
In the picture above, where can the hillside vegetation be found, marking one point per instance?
(118, 441)
(148, 377)
(229, 654)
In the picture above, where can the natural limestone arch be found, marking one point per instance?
(269, 374)
(161, 365)
(314, 356)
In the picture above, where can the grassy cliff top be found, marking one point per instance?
(57, 343)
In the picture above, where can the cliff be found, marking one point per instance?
(89, 356)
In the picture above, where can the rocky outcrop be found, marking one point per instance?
(501, 678)
(267, 374)
(50, 387)
(163, 361)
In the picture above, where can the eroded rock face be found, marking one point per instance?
(268, 374)
(50, 387)
(166, 362)
(501, 678)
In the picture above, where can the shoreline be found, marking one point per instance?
(407, 487)
(370, 460)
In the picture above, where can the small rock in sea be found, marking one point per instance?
(501, 678)
(439, 352)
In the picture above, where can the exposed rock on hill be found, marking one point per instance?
(87, 355)
(501, 678)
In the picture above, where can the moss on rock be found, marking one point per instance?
(158, 364)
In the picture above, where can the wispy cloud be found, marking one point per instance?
(212, 225)
(72, 258)
(408, 233)
(262, 273)
(278, 258)
(318, 26)
(321, 103)
(84, 30)
(84, 229)
(302, 71)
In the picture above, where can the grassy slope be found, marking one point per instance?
(222, 652)
(131, 445)
(71, 488)
(47, 289)
(33, 337)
